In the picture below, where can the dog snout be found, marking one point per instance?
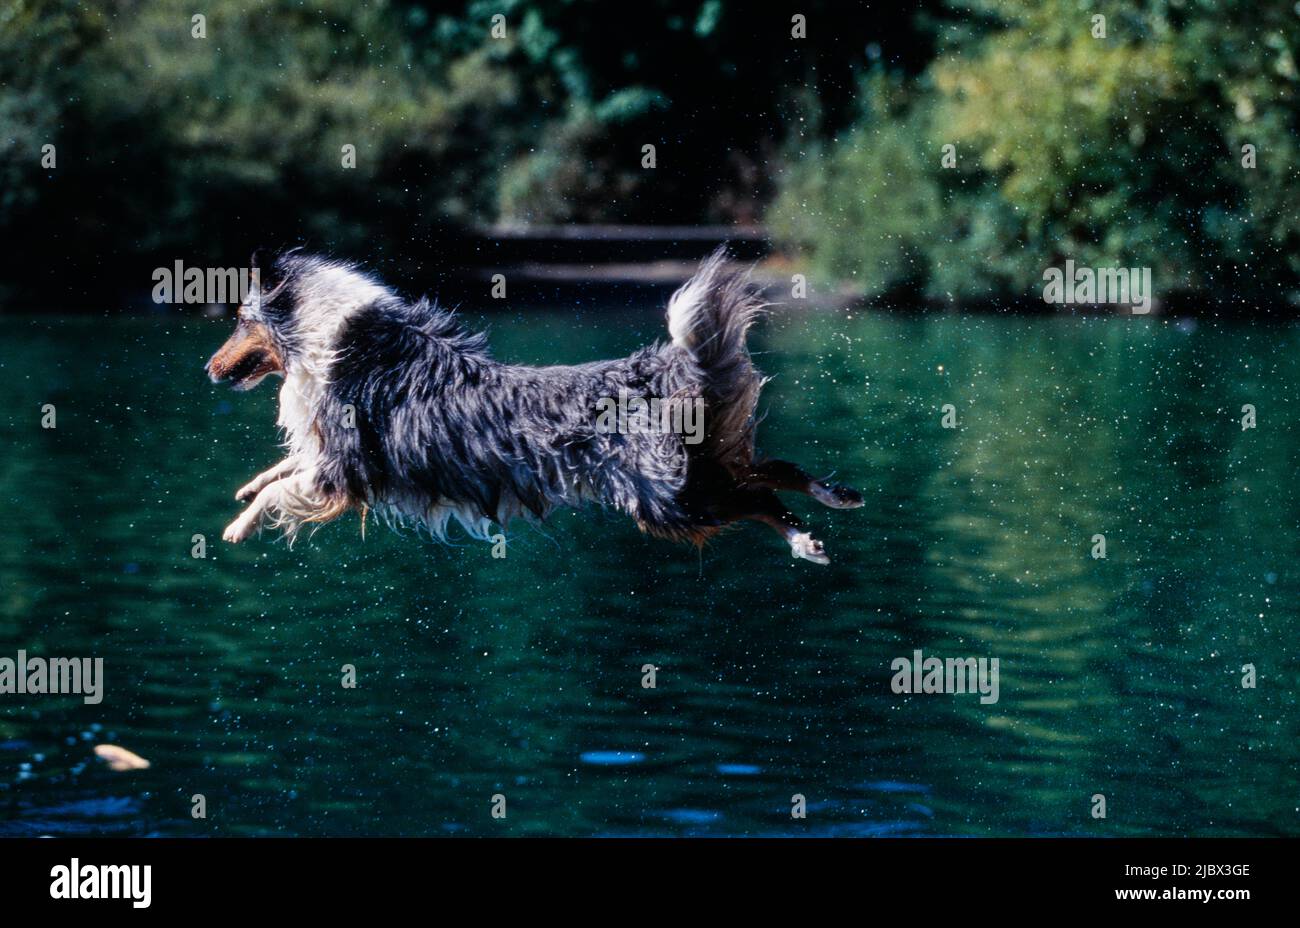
(246, 357)
(217, 369)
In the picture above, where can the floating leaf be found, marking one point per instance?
(119, 758)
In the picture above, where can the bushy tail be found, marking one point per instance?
(709, 316)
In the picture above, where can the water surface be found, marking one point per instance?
(523, 676)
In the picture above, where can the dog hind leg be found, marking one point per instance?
(762, 505)
(783, 475)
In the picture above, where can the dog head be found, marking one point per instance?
(259, 345)
(291, 320)
(247, 356)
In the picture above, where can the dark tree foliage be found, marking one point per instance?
(174, 146)
(1121, 149)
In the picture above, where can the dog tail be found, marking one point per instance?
(709, 316)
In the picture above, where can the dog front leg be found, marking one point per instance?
(267, 477)
(251, 518)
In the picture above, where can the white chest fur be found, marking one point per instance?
(299, 399)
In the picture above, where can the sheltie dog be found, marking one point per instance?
(391, 406)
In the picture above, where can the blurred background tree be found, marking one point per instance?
(1117, 150)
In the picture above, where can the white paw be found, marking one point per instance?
(809, 548)
(238, 530)
(247, 491)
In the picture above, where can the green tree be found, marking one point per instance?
(1115, 149)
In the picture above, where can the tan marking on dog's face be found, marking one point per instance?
(246, 357)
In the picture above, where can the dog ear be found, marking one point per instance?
(261, 263)
(270, 272)
(276, 276)
(281, 267)
(272, 269)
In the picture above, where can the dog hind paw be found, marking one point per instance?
(837, 496)
(809, 548)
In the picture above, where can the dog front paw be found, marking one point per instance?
(809, 548)
(239, 530)
(246, 493)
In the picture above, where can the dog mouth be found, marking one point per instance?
(247, 372)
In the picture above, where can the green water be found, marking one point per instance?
(522, 676)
